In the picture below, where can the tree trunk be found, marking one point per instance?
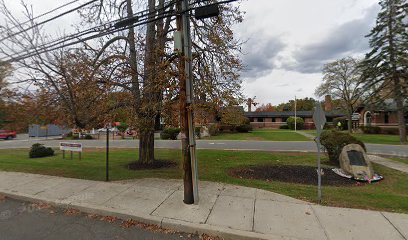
(400, 110)
(146, 147)
(146, 111)
(349, 122)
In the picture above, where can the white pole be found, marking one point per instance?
(295, 115)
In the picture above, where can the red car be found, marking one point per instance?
(7, 134)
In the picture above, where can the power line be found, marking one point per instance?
(97, 28)
(55, 44)
(43, 14)
(48, 20)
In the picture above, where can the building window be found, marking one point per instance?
(260, 120)
(251, 119)
(273, 119)
(386, 118)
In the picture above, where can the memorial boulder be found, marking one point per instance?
(355, 162)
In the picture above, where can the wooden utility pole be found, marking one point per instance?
(190, 176)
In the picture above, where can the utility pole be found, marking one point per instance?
(190, 176)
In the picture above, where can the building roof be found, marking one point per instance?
(290, 114)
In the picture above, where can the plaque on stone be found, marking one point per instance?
(356, 158)
(354, 161)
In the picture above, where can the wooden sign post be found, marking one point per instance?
(72, 147)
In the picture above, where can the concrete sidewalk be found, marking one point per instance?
(229, 211)
(402, 167)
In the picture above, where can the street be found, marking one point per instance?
(393, 150)
(24, 220)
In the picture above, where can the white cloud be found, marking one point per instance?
(305, 34)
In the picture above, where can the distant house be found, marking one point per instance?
(277, 119)
(384, 115)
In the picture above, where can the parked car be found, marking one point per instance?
(7, 134)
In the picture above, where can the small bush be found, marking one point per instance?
(334, 141)
(300, 123)
(284, 127)
(38, 150)
(390, 131)
(371, 129)
(170, 133)
(69, 134)
(213, 130)
(244, 128)
(343, 122)
(88, 137)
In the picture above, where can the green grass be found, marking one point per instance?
(402, 160)
(261, 135)
(391, 194)
(369, 138)
(378, 138)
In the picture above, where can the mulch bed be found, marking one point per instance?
(157, 164)
(292, 174)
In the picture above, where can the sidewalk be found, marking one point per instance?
(228, 211)
(402, 167)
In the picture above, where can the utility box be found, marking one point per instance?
(207, 11)
(178, 41)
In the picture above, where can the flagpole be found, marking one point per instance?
(295, 115)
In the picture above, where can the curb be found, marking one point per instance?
(178, 225)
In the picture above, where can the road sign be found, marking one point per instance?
(319, 118)
(355, 117)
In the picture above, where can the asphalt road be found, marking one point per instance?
(23, 220)
(394, 150)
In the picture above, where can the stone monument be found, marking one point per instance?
(354, 161)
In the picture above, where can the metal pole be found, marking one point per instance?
(295, 115)
(107, 153)
(319, 177)
(190, 98)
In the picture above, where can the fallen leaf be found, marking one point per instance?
(71, 212)
(40, 206)
(207, 237)
(109, 219)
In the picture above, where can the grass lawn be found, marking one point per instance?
(262, 135)
(369, 138)
(391, 194)
(402, 160)
(378, 138)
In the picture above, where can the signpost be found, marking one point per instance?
(108, 126)
(319, 119)
(72, 147)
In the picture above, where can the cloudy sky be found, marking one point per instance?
(290, 40)
(287, 41)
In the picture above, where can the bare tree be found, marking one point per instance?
(342, 80)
